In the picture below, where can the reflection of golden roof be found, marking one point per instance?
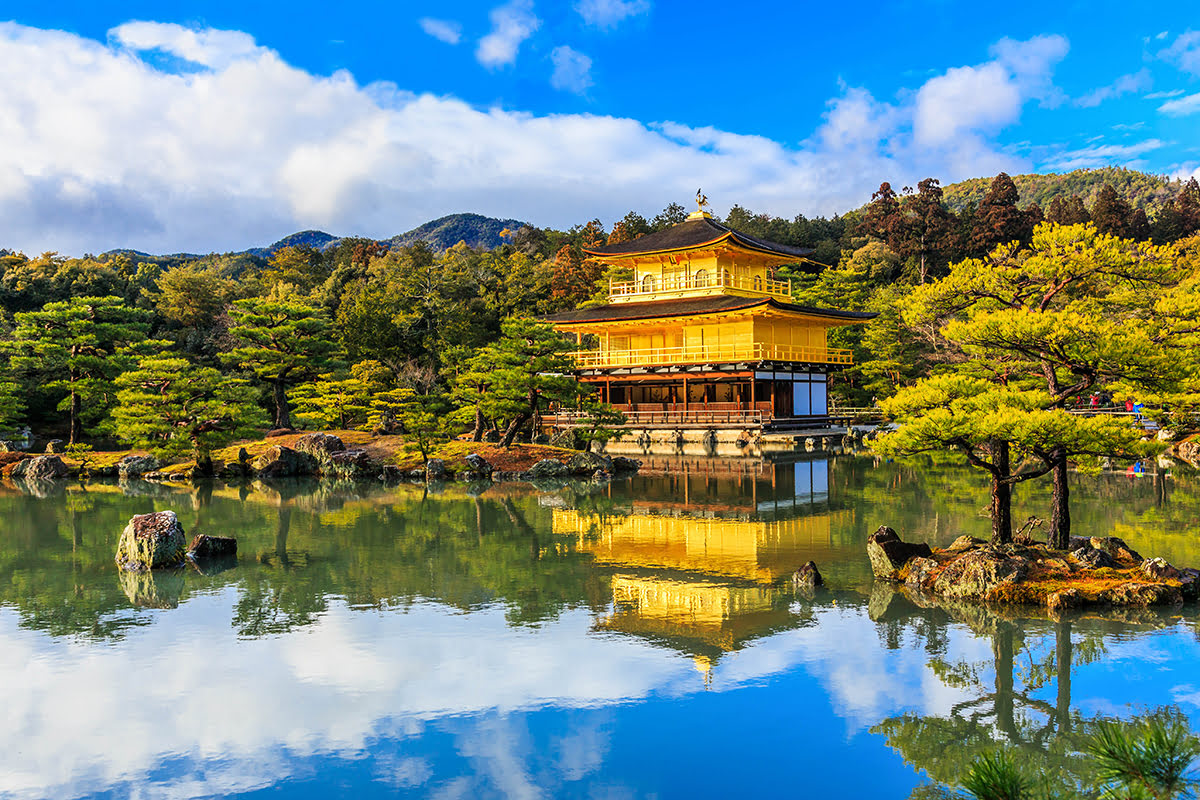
(755, 550)
(714, 614)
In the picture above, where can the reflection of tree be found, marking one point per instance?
(1026, 656)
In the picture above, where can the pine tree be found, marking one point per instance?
(284, 339)
(998, 220)
(1111, 212)
(79, 346)
(172, 406)
(531, 367)
(1075, 312)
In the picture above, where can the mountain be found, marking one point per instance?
(440, 234)
(1140, 189)
(443, 233)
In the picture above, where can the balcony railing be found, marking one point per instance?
(697, 283)
(668, 356)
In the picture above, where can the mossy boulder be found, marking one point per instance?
(152, 541)
(40, 468)
(888, 554)
(136, 466)
(320, 445)
(548, 468)
(278, 461)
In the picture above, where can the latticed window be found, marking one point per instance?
(648, 283)
(702, 277)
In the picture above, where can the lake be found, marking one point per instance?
(635, 639)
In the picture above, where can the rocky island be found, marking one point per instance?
(1101, 571)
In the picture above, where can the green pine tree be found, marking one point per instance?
(175, 407)
(78, 347)
(284, 339)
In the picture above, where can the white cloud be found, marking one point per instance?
(1163, 95)
(512, 24)
(1101, 155)
(572, 70)
(444, 30)
(208, 47)
(1182, 106)
(104, 150)
(1126, 84)
(1184, 52)
(956, 112)
(607, 14)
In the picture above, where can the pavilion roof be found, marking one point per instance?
(616, 312)
(694, 233)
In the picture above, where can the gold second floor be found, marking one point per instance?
(731, 338)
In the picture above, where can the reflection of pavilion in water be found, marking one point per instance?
(702, 557)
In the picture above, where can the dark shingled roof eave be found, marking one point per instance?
(692, 234)
(629, 312)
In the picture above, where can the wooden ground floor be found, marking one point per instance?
(765, 395)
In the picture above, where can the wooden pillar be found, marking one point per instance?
(772, 398)
(753, 392)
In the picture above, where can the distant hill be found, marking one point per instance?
(1140, 189)
(474, 229)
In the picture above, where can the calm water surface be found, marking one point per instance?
(634, 640)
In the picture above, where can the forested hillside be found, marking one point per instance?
(1139, 189)
(475, 229)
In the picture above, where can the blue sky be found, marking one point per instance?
(213, 125)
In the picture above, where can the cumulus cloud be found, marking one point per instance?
(607, 14)
(1184, 52)
(1101, 155)
(210, 48)
(512, 24)
(104, 148)
(572, 70)
(444, 30)
(1138, 81)
(1182, 106)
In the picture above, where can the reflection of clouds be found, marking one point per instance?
(184, 708)
(83, 717)
(865, 681)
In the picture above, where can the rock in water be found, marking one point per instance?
(136, 466)
(205, 546)
(435, 470)
(478, 465)
(353, 464)
(977, 573)
(622, 464)
(284, 462)
(889, 554)
(587, 463)
(40, 468)
(547, 468)
(807, 577)
(320, 445)
(152, 541)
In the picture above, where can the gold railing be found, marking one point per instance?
(665, 356)
(686, 284)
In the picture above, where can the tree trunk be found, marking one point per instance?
(1002, 648)
(1062, 659)
(282, 418)
(477, 433)
(1060, 508)
(76, 424)
(1001, 495)
(513, 428)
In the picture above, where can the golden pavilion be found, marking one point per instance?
(704, 561)
(705, 334)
